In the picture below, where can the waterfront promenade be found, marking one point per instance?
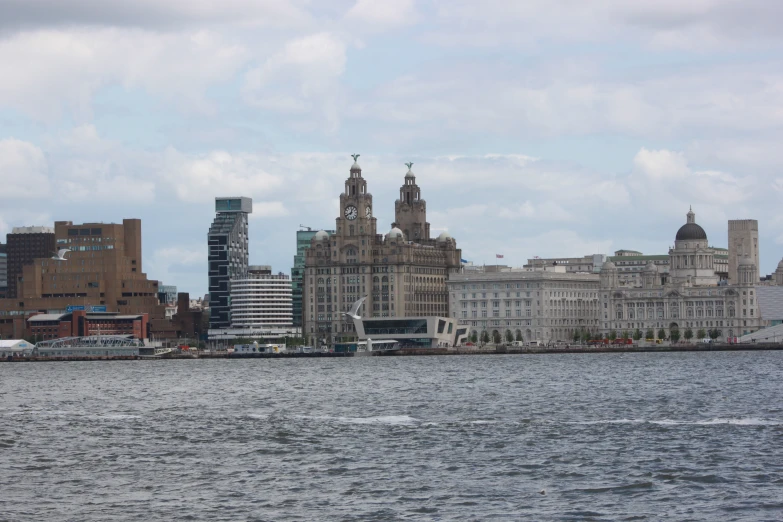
(461, 350)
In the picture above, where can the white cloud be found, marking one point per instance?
(662, 174)
(218, 173)
(553, 99)
(661, 165)
(602, 143)
(387, 14)
(174, 263)
(267, 209)
(24, 171)
(301, 80)
(93, 185)
(50, 72)
(92, 168)
(549, 211)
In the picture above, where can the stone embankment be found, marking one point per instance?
(461, 350)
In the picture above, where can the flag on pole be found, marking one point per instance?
(499, 256)
(464, 261)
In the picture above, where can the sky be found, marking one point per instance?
(538, 128)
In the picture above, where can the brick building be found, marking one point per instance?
(82, 323)
(102, 272)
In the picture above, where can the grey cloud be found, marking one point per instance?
(746, 19)
(672, 23)
(32, 14)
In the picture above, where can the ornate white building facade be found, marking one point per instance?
(691, 295)
(403, 275)
(544, 304)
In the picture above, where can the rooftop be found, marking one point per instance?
(523, 274)
(32, 230)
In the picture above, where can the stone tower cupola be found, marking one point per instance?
(410, 211)
(608, 275)
(650, 277)
(356, 212)
(692, 260)
(746, 271)
(779, 274)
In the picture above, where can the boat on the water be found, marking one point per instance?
(257, 349)
(370, 347)
(159, 353)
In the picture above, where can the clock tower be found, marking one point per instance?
(356, 211)
(410, 211)
(397, 276)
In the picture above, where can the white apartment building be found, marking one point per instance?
(532, 304)
(262, 300)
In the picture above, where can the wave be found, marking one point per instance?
(732, 421)
(115, 416)
(611, 421)
(384, 419)
(752, 421)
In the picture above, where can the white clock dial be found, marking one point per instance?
(368, 212)
(351, 213)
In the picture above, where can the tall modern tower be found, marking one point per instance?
(303, 238)
(743, 240)
(228, 255)
(4, 271)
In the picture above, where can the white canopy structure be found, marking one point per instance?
(9, 346)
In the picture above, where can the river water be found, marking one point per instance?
(684, 436)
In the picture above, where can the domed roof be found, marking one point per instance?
(691, 232)
(321, 234)
(608, 265)
(780, 265)
(444, 236)
(651, 267)
(355, 165)
(394, 233)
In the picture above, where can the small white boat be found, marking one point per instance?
(370, 347)
(159, 353)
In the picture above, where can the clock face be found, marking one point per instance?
(368, 212)
(351, 212)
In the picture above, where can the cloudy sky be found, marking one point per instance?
(549, 128)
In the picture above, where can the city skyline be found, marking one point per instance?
(531, 140)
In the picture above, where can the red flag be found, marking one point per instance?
(499, 256)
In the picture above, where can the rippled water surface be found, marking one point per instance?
(603, 436)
